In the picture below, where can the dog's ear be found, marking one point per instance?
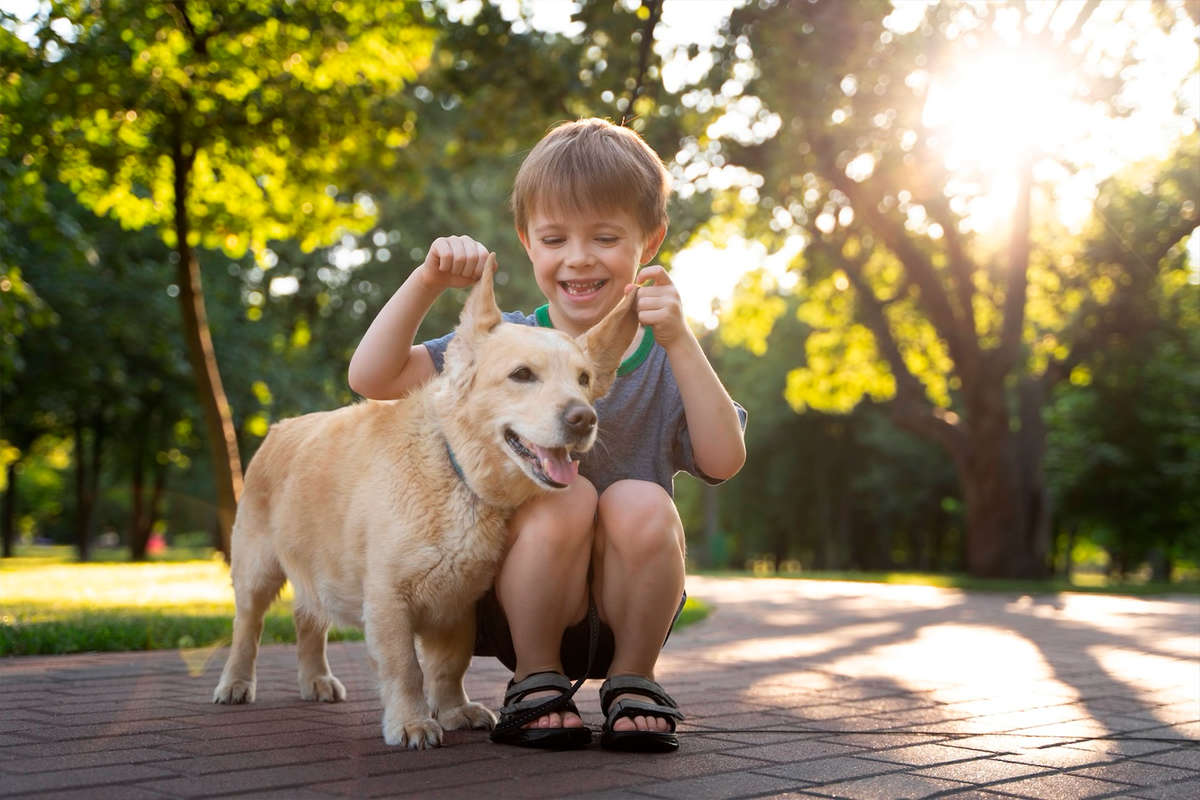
(607, 340)
(480, 314)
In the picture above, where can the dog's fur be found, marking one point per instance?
(363, 511)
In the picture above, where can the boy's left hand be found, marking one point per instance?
(659, 306)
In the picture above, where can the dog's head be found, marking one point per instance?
(527, 393)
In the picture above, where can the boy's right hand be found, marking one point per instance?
(453, 262)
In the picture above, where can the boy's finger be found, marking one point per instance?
(656, 274)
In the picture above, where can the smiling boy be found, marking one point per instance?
(589, 204)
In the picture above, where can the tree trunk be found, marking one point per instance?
(87, 483)
(138, 531)
(997, 491)
(9, 521)
(222, 440)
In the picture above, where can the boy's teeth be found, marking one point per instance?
(582, 287)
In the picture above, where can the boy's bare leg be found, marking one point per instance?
(639, 570)
(542, 584)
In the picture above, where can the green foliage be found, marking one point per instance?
(267, 104)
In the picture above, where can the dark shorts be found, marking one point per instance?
(492, 638)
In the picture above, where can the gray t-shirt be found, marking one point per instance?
(643, 432)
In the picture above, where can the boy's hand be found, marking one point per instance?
(453, 262)
(659, 306)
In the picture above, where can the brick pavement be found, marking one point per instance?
(792, 689)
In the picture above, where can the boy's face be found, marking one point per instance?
(582, 261)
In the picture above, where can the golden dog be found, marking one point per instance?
(392, 515)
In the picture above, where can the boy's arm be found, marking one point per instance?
(718, 445)
(385, 364)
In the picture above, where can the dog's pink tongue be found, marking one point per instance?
(556, 464)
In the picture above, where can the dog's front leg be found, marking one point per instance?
(447, 654)
(407, 721)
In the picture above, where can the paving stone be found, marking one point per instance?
(1184, 758)
(29, 766)
(719, 787)
(831, 770)
(1060, 786)
(1138, 773)
(922, 754)
(792, 688)
(982, 770)
(888, 787)
(1184, 790)
(61, 780)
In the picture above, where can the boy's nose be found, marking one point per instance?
(577, 255)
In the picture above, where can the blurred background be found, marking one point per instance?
(943, 252)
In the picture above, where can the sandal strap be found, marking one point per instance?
(536, 682)
(548, 705)
(634, 684)
(639, 708)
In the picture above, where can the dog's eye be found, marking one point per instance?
(522, 375)
(585, 379)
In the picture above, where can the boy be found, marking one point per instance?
(589, 205)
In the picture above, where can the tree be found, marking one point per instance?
(961, 334)
(1124, 456)
(220, 125)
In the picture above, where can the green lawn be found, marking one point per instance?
(49, 604)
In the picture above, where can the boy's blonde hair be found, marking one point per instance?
(592, 165)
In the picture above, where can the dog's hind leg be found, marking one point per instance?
(316, 679)
(257, 579)
(446, 655)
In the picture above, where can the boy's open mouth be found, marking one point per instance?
(580, 288)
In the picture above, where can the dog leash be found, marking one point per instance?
(553, 704)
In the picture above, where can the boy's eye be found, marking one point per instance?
(606, 239)
(585, 379)
(522, 375)
(551, 241)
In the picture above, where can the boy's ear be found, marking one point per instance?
(607, 340)
(653, 242)
(480, 313)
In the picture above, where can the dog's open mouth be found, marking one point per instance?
(550, 465)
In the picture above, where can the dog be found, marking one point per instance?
(392, 516)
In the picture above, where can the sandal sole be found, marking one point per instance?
(547, 738)
(639, 741)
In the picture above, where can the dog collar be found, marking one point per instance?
(458, 469)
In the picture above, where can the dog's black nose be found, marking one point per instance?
(579, 419)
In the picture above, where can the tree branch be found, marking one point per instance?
(911, 405)
(1093, 339)
(1017, 284)
(963, 345)
(647, 42)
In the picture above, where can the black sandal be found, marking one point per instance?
(661, 705)
(518, 711)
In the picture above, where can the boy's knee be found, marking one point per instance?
(639, 517)
(564, 517)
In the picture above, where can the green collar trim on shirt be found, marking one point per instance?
(542, 315)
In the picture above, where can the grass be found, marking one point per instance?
(50, 604)
(1083, 582)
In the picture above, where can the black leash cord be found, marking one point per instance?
(553, 704)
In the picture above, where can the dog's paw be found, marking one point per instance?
(323, 688)
(418, 734)
(234, 692)
(471, 715)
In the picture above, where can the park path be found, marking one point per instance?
(792, 688)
